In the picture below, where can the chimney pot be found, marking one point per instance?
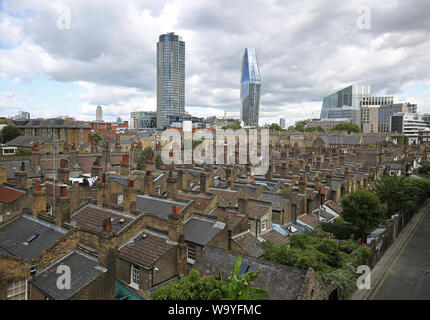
(63, 191)
(107, 224)
(175, 209)
(38, 187)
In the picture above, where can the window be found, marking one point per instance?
(191, 253)
(263, 225)
(120, 199)
(49, 210)
(1, 217)
(249, 226)
(135, 271)
(17, 290)
(158, 190)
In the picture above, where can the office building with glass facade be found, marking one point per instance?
(341, 103)
(170, 78)
(143, 120)
(250, 85)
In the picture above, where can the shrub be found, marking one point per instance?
(341, 231)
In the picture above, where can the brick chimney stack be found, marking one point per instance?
(175, 224)
(328, 179)
(20, 177)
(35, 156)
(302, 186)
(243, 205)
(124, 166)
(3, 175)
(129, 196)
(204, 182)
(96, 169)
(63, 172)
(107, 224)
(172, 188)
(62, 207)
(39, 200)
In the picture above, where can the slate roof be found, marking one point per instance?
(249, 243)
(147, 248)
(9, 194)
(278, 201)
(282, 282)
(83, 268)
(14, 235)
(200, 231)
(13, 166)
(341, 139)
(200, 200)
(158, 206)
(27, 141)
(91, 217)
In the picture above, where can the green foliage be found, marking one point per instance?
(363, 209)
(314, 129)
(334, 262)
(425, 168)
(194, 287)
(96, 137)
(401, 192)
(23, 152)
(146, 153)
(275, 126)
(341, 230)
(301, 125)
(361, 256)
(346, 126)
(348, 246)
(9, 133)
(401, 139)
(344, 278)
(233, 126)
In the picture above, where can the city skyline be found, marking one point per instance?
(52, 71)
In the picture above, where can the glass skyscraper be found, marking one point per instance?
(342, 103)
(250, 84)
(170, 77)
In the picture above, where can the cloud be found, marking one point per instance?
(305, 50)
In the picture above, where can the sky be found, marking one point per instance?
(65, 57)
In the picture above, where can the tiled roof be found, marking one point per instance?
(275, 237)
(200, 201)
(13, 166)
(311, 194)
(234, 218)
(334, 206)
(91, 217)
(309, 220)
(249, 243)
(83, 268)
(257, 210)
(147, 248)
(9, 194)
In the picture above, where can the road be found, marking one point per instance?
(408, 277)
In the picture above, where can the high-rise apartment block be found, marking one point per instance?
(143, 120)
(170, 77)
(250, 85)
(282, 123)
(99, 113)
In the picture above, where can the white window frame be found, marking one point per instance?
(264, 225)
(158, 190)
(120, 199)
(191, 253)
(134, 276)
(15, 290)
(1, 217)
(49, 212)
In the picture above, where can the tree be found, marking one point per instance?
(95, 137)
(275, 126)
(9, 133)
(301, 125)
(233, 126)
(314, 128)
(424, 168)
(346, 126)
(194, 287)
(145, 155)
(363, 209)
